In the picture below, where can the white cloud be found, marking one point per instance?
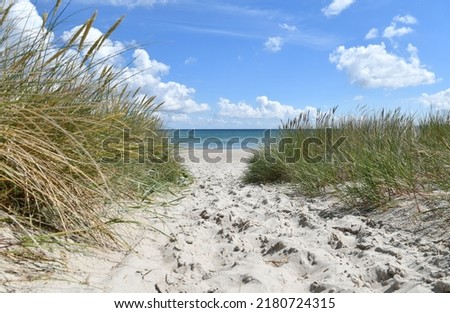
(265, 108)
(412, 50)
(372, 34)
(394, 31)
(144, 63)
(291, 28)
(274, 44)
(24, 23)
(440, 100)
(144, 72)
(358, 98)
(110, 51)
(406, 19)
(190, 60)
(183, 117)
(336, 7)
(374, 67)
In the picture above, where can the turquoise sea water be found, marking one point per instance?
(222, 138)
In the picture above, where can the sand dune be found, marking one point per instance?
(225, 236)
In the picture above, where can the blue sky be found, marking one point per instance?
(250, 64)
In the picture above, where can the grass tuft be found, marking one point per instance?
(58, 105)
(382, 155)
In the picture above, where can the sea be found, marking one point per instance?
(223, 138)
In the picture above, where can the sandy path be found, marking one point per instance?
(231, 237)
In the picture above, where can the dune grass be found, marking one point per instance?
(381, 156)
(59, 102)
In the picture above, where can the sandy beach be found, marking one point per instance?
(224, 236)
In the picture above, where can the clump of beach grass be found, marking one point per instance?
(377, 157)
(59, 102)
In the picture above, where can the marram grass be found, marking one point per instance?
(383, 155)
(57, 106)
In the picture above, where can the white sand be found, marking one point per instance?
(229, 237)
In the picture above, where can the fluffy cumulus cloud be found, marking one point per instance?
(440, 100)
(274, 44)
(144, 72)
(24, 22)
(374, 67)
(397, 28)
(394, 30)
(265, 109)
(336, 7)
(372, 34)
(110, 51)
(405, 19)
